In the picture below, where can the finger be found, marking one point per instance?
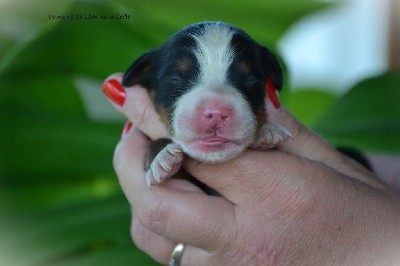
(171, 209)
(138, 108)
(252, 175)
(158, 247)
(135, 143)
(188, 217)
(132, 142)
(255, 175)
(308, 144)
(161, 248)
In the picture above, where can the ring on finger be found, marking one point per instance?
(176, 255)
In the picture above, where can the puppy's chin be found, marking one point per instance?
(216, 151)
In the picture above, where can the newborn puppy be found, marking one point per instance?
(208, 83)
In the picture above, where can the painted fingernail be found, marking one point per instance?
(114, 91)
(273, 94)
(127, 128)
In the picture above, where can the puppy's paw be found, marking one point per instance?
(270, 135)
(166, 163)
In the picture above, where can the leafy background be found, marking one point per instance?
(60, 202)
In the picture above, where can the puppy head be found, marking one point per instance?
(208, 84)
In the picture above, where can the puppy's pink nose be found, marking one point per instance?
(216, 115)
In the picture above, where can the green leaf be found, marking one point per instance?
(20, 20)
(92, 232)
(308, 105)
(265, 21)
(367, 117)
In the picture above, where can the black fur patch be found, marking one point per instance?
(169, 71)
(154, 148)
(172, 70)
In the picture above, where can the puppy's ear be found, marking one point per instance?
(272, 68)
(140, 72)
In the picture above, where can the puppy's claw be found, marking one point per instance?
(167, 163)
(148, 180)
(271, 135)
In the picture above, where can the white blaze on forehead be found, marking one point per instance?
(214, 53)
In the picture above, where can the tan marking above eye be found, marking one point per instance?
(184, 64)
(245, 66)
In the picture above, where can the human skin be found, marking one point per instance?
(303, 203)
(387, 167)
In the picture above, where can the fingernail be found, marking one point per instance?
(127, 128)
(273, 94)
(114, 91)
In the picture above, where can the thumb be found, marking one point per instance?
(249, 175)
(310, 145)
(304, 143)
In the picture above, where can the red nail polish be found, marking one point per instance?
(114, 91)
(273, 94)
(127, 128)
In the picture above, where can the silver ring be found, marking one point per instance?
(176, 255)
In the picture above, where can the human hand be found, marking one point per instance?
(303, 203)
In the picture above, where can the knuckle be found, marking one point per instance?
(137, 235)
(153, 215)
